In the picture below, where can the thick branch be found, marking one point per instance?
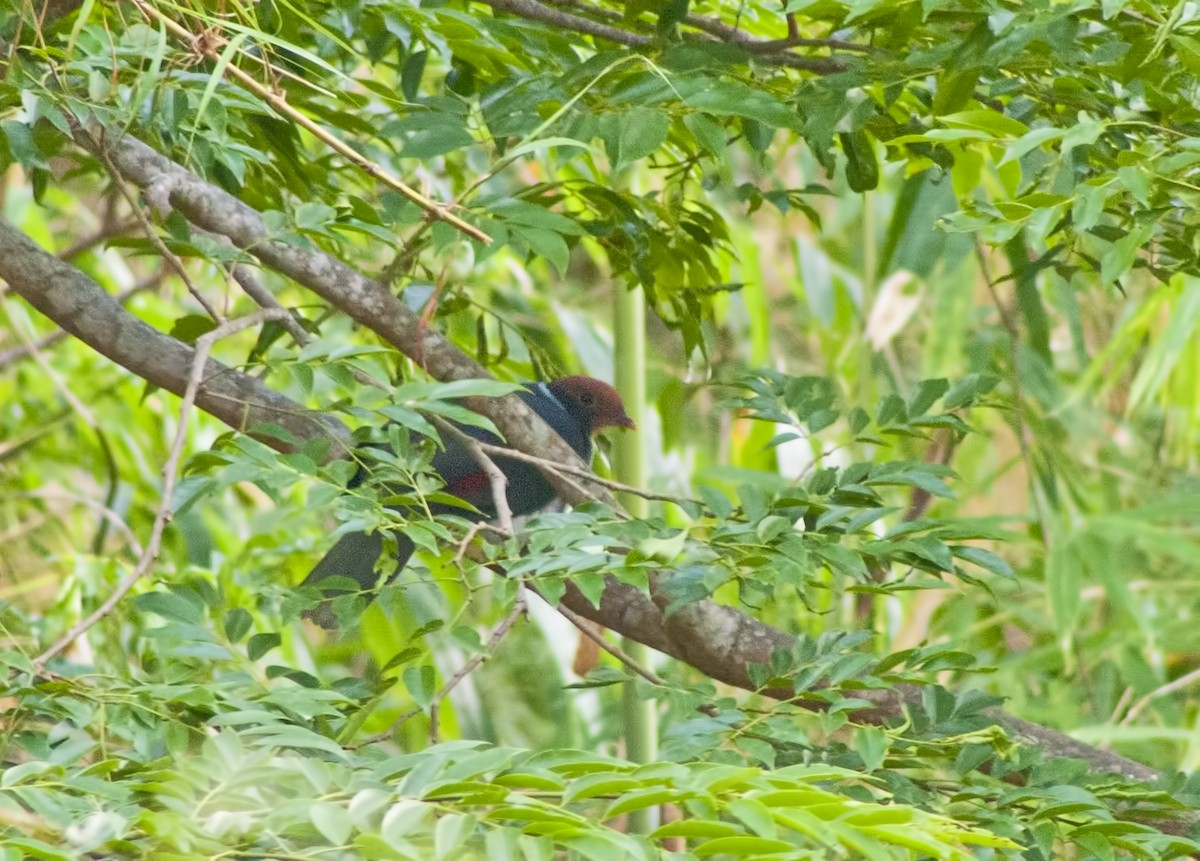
(83, 308)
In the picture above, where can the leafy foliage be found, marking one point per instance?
(941, 258)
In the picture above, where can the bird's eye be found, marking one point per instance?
(586, 399)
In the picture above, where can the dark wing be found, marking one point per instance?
(527, 489)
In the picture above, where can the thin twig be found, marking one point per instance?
(1122, 704)
(1170, 687)
(23, 527)
(465, 543)
(1024, 437)
(210, 49)
(204, 346)
(616, 651)
(773, 45)
(501, 630)
(497, 480)
(26, 350)
(103, 510)
(248, 280)
(774, 51)
(67, 392)
(563, 471)
(728, 33)
(387, 733)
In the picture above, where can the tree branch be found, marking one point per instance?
(83, 308)
(774, 52)
(16, 354)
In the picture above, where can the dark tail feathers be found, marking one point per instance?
(354, 557)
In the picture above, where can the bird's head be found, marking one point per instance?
(596, 402)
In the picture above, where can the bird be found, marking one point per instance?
(575, 407)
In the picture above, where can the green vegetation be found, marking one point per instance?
(913, 569)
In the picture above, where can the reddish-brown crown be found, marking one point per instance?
(597, 402)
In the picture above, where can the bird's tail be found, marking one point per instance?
(353, 557)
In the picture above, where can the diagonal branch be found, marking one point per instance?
(771, 52)
(86, 310)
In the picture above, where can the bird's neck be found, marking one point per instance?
(543, 390)
(578, 433)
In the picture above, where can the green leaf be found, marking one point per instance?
(15, 774)
(260, 644)
(891, 408)
(970, 388)
(314, 217)
(931, 550)
(190, 327)
(844, 561)
(410, 74)
(427, 135)
(862, 165)
(530, 215)
(237, 623)
(741, 846)
(716, 501)
(1030, 141)
(548, 244)
(410, 419)
(403, 819)
(332, 820)
(755, 815)
(421, 683)
(600, 783)
(1119, 258)
(733, 98)
(642, 131)
(21, 145)
(984, 559)
(169, 605)
(451, 831)
(710, 134)
(547, 143)
(871, 744)
(37, 849)
(993, 122)
(694, 829)
(278, 735)
(926, 395)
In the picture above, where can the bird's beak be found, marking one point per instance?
(626, 422)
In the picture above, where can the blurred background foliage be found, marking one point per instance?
(993, 194)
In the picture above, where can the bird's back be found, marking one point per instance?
(528, 490)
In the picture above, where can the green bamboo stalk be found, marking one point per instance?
(629, 359)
